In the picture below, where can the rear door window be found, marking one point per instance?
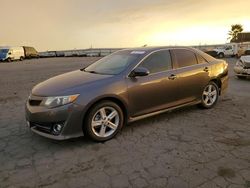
(158, 61)
(184, 58)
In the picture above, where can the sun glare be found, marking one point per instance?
(187, 36)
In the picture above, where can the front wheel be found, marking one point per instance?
(21, 58)
(9, 60)
(221, 55)
(210, 95)
(103, 121)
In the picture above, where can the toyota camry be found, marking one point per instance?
(128, 85)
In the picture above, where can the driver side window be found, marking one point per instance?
(158, 61)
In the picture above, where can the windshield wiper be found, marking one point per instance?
(94, 72)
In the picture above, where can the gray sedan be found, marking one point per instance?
(125, 86)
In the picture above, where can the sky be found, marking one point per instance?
(79, 24)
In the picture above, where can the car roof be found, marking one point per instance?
(151, 49)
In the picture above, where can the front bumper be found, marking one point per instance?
(41, 120)
(241, 71)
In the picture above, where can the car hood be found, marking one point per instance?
(245, 59)
(62, 84)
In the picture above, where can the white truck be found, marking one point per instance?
(11, 53)
(232, 49)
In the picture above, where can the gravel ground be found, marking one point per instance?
(189, 147)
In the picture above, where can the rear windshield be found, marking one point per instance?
(115, 63)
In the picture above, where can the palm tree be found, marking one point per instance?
(233, 33)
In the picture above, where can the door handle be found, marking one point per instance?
(206, 69)
(172, 77)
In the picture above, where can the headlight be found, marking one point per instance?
(53, 102)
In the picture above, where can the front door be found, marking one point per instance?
(156, 91)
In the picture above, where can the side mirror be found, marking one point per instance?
(139, 71)
(9, 53)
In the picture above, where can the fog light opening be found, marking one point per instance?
(57, 128)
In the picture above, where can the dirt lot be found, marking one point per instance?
(186, 148)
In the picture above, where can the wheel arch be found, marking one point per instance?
(218, 82)
(114, 99)
(223, 54)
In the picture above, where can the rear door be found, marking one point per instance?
(157, 90)
(192, 74)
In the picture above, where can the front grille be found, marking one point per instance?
(34, 102)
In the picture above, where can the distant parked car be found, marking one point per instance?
(93, 54)
(11, 53)
(47, 54)
(59, 54)
(125, 86)
(232, 49)
(30, 52)
(247, 52)
(242, 67)
(212, 53)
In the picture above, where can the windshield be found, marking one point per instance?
(115, 63)
(4, 51)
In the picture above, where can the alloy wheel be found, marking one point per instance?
(105, 122)
(210, 95)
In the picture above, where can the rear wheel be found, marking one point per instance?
(210, 95)
(103, 121)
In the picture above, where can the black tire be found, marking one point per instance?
(21, 58)
(89, 131)
(9, 60)
(205, 104)
(221, 55)
(242, 77)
